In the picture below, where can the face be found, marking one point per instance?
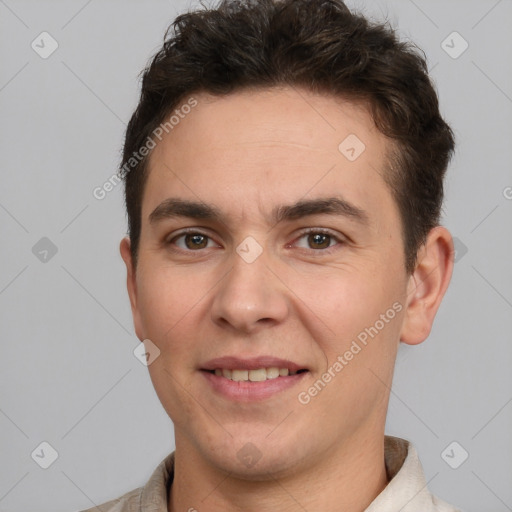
(266, 244)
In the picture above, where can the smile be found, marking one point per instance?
(257, 375)
(252, 385)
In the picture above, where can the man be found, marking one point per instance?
(284, 178)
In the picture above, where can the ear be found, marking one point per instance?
(427, 285)
(131, 284)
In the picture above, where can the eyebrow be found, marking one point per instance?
(173, 208)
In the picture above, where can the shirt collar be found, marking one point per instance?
(406, 491)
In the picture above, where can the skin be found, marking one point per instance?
(246, 153)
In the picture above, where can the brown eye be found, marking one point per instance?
(191, 241)
(319, 240)
(195, 241)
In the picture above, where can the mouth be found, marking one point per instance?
(257, 375)
(253, 379)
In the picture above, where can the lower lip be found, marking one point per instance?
(247, 391)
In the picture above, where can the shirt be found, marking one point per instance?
(406, 490)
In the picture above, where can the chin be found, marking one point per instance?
(252, 464)
(255, 457)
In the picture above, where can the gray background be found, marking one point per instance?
(68, 374)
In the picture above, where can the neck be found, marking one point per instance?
(349, 477)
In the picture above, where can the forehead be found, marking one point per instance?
(271, 145)
(255, 117)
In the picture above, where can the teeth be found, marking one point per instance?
(272, 373)
(259, 375)
(237, 375)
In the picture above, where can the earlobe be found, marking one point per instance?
(427, 285)
(131, 282)
(124, 249)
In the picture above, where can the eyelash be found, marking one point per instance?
(305, 232)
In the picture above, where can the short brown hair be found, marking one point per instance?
(316, 44)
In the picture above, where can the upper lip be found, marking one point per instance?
(254, 363)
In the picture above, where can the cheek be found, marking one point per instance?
(365, 316)
(345, 302)
(168, 304)
(175, 314)
(166, 296)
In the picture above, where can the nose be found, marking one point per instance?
(250, 297)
